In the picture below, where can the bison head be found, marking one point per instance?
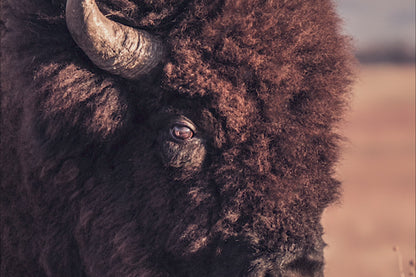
(169, 138)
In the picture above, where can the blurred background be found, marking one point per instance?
(371, 232)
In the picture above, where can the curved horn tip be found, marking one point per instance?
(113, 47)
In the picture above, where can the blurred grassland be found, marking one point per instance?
(377, 211)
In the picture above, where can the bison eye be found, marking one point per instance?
(181, 132)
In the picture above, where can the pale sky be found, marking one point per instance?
(379, 21)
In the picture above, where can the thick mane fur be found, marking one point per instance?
(84, 189)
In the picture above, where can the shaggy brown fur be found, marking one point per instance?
(94, 185)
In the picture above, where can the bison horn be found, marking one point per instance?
(116, 48)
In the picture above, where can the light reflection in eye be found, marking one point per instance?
(181, 132)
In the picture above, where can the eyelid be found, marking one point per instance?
(182, 121)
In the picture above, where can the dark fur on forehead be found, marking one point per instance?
(281, 63)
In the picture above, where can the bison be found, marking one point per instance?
(169, 138)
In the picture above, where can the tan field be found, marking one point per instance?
(377, 211)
